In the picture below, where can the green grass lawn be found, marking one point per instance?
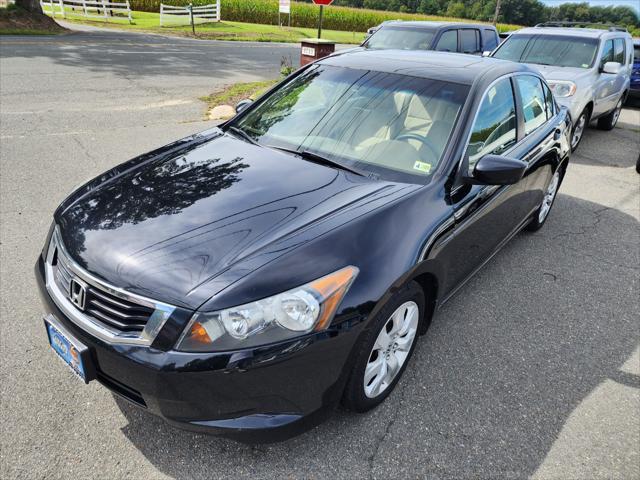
(239, 91)
(150, 22)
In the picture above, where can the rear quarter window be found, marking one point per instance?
(490, 39)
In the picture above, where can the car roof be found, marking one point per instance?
(569, 32)
(434, 25)
(445, 66)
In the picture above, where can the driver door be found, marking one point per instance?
(485, 215)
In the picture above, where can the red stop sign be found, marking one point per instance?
(323, 2)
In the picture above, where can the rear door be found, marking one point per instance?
(620, 56)
(540, 137)
(606, 83)
(469, 41)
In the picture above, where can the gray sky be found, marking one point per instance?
(635, 4)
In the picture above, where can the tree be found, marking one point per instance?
(30, 6)
(456, 9)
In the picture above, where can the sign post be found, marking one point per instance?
(284, 6)
(193, 25)
(322, 4)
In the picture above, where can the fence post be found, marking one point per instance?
(161, 10)
(193, 26)
(84, 8)
(104, 11)
(61, 3)
(218, 10)
(129, 13)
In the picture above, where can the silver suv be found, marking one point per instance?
(588, 69)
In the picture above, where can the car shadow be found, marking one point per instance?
(492, 383)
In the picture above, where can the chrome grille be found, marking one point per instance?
(106, 311)
(115, 312)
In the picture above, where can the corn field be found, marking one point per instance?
(302, 14)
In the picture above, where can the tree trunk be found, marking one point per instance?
(495, 17)
(30, 5)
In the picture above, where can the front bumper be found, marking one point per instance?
(255, 395)
(573, 104)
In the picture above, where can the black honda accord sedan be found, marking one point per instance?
(245, 280)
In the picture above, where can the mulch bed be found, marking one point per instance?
(16, 20)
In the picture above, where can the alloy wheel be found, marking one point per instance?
(391, 349)
(549, 197)
(578, 130)
(616, 113)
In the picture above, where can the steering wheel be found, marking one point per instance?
(422, 139)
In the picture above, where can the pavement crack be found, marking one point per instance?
(390, 424)
(585, 228)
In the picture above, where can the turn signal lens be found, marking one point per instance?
(310, 307)
(198, 333)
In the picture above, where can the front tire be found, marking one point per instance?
(608, 122)
(384, 352)
(577, 132)
(541, 215)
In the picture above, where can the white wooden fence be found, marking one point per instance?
(201, 14)
(87, 8)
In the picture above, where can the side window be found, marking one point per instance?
(469, 40)
(490, 39)
(549, 101)
(533, 102)
(607, 53)
(618, 51)
(494, 130)
(448, 41)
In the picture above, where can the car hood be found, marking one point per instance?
(166, 226)
(551, 72)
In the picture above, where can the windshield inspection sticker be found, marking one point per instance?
(422, 166)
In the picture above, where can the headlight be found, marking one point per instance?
(286, 315)
(562, 89)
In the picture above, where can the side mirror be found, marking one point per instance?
(243, 104)
(497, 170)
(486, 53)
(611, 67)
(371, 31)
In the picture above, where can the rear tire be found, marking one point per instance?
(541, 215)
(608, 122)
(385, 350)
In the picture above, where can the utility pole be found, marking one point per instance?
(495, 17)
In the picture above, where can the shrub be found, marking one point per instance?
(302, 14)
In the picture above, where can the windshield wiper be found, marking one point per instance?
(242, 133)
(315, 158)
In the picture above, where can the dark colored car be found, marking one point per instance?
(440, 36)
(245, 280)
(634, 90)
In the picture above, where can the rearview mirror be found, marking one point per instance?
(611, 67)
(242, 104)
(498, 170)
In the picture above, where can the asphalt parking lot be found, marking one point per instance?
(531, 370)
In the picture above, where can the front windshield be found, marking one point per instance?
(389, 125)
(404, 38)
(557, 50)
